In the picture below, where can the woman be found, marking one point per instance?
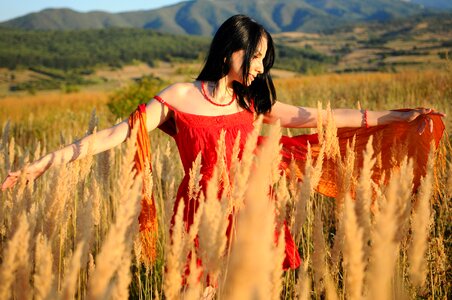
(233, 87)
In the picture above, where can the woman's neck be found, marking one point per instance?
(222, 90)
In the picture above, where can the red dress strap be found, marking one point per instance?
(161, 100)
(169, 127)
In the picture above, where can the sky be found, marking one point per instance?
(10, 9)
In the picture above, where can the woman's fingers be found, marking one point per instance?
(421, 127)
(437, 113)
(431, 111)
(10, 180)
(426, 121)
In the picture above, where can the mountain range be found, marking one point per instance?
(438, 4)
(202, 17)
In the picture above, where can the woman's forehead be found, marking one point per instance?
(262, 46)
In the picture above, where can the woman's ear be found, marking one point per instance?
(225, 68)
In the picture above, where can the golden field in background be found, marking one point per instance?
(73, 233)
(407, 89)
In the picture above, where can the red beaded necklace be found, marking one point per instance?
(204, 93)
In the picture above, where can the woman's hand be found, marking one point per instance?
(425, 114)
(30, 173)
(10, 180)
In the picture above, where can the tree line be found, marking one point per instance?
(67, 50)
(84, 49)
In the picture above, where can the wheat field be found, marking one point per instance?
(73, 233)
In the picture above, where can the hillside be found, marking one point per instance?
(436, 4)
(37, 60)
(414, 42)
(52, 59)
(68, 50)
(202, 17)
(87, 48)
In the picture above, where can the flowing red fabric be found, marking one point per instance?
(203, 133)
(148, 214)
(390, 143)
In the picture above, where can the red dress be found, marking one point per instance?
(199, 134)
(195, 134)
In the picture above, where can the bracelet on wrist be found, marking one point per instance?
(365, 122)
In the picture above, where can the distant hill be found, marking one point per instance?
(411, 42)
(54, 59)
(202, 17)
(439, 4)
(86, 49)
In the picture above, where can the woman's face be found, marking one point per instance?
(256, 64)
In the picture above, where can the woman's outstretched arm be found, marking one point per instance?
(304, 117)
(89, 145)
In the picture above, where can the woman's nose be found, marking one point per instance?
(260, 67)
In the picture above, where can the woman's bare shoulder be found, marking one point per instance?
(177, 92)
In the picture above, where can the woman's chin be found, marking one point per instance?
(249, 81)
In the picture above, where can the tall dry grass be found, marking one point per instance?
(73, 232)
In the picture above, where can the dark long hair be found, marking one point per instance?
(240, 32)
